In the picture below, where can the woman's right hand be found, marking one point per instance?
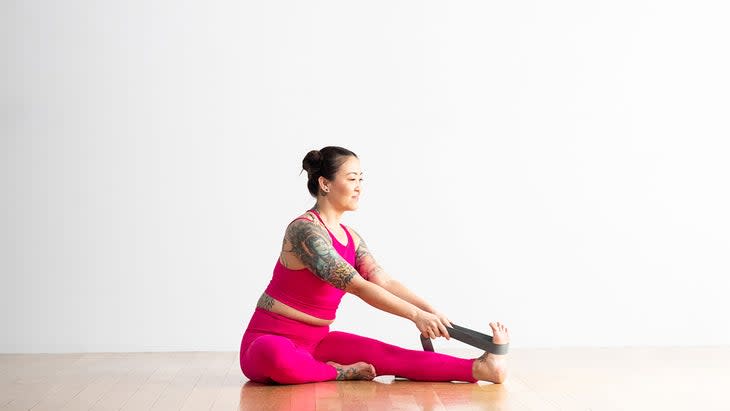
(430, 325)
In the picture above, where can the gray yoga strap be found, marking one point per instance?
(471, 337)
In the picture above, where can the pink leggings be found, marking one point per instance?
(277, 349)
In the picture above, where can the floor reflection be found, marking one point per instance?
(383, 393)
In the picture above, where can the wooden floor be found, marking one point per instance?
(541, 379)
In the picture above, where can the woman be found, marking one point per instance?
(288, 340)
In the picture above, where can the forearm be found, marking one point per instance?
(397, 288)
(384, 300)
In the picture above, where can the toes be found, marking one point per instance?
(499, 327)
(368, 372)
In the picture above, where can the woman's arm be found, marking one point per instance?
(369, 268)
(312, 245)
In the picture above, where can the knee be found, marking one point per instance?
(270, 348)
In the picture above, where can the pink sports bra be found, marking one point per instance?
(304, 290)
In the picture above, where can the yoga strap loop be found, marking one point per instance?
(471, 337)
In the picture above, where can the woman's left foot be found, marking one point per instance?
(358, 371)
(491, 367)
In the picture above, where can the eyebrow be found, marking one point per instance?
(352, 172)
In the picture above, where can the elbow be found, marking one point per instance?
(380, 278)
(381, 282)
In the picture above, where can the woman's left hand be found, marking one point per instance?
(442, 317)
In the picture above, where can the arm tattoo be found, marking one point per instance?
(312, 245)
(265, 302)
(364, 261)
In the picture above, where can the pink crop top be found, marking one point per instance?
(303, 290)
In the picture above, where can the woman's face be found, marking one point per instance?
(345, 190)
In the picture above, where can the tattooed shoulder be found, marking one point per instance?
(309, 215)
(362, 248)
(364, 261)
(313, 247)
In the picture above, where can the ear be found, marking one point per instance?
(323, 184)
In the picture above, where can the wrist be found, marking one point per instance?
(413, 314)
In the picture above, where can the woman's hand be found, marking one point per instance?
(431, 325)
(444, 320)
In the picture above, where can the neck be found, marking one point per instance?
(329, 214)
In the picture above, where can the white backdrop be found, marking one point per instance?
(558, 166)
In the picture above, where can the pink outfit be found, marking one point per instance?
(277, 349)
(303, 290)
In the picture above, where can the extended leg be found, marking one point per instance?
(389, 359)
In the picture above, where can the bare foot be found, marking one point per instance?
(358, 371)
(491, 367)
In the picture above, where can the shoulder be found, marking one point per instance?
(306, 218)
(306, 223)
(355, 235)
(307, 215)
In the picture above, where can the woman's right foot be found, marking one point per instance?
(491, 367)
(358, 371)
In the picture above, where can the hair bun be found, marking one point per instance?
(312, 162)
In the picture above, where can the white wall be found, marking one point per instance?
(559, 166)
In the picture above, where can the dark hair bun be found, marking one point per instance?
(312, 162)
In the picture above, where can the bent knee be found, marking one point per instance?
(264, 356)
